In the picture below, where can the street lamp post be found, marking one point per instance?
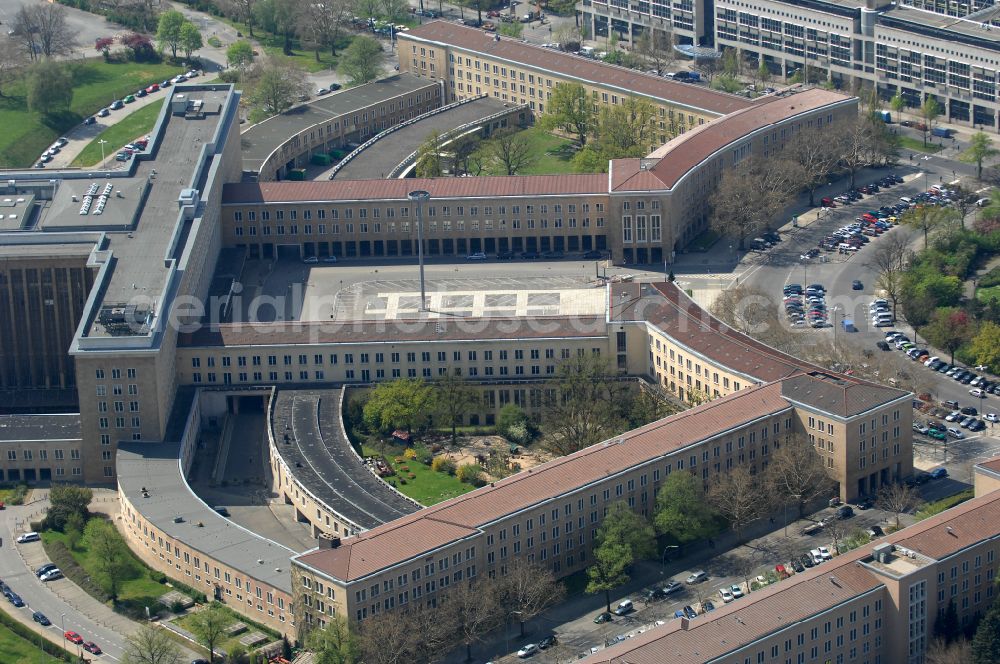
(663, 557)
(420, 197)
(102, 142)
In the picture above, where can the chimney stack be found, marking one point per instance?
(328, 541)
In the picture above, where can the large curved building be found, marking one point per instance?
(122, 267)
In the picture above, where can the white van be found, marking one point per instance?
(882, 320)
(28, 537)
(587, 51)
(624, 606)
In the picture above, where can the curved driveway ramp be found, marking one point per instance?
(381, 157)
(323, 461)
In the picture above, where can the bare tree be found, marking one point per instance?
(897, 498)
(430, 634)
(889, 259)
(527, 590)
(453, 398)
(275, 86)
(739, 496)
(244, 8)
(388, 638)
(657, 47)
(745, 309)
(150, 645)
(579, 405)
(837, 531)
(509, 150)
(750, 195)
(321, 23)
(797, 473)
(473, 610)
(854, 139)
(815, 155)
(942, 652)
(43, 29)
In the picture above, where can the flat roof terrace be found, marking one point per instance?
(309, 436)
(34, 428)
(149, 475)
(976, 33)
(263, 138)
(381, 157)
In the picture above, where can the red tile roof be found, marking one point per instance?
(584, 70)
(442, 524)
(678, 156)
(245, 193)
(991, 465)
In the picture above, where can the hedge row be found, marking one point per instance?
(28, 635)
(61, 556)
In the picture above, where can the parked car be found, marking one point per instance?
(673, 587)
(528, 650)
(727, 595)
(603, 618)
(624, 606)
(825, 553)
(736, 590)
(51, 575)
(845, 512)
(857, 285)
(73, 637)
(689, 612)
(696, 577)
(476, 256)
(48, 567)
(41, 619)
(938, 473)
(92, 648)
(875, 531)
(28, 537)
(547, 642)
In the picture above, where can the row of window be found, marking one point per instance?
(363, 228)
(43, 455)
(429, 211)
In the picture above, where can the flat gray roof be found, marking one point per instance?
(34, 428)
(155, 468)
(15, 211)
(263, 138)
(320, 456)
(971, 32)
(381, 157)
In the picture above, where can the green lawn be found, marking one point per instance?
(917, 144)
(555, 153)
(938, 506)
(27, 134)
(131, 127)
(274, 46)
(138, 591)
(427, 487)
(20, 650)
(227, 644)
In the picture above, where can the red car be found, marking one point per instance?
(155, 87)
(780, 570)
(73, 637)
(92, 648)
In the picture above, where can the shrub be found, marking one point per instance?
(412, 476)
(410, 453)
(399, 460)
(518, 433)
(470, 473)
(401, 481)
(177, 607)
(405, 469)
(754, 586)
(159, 577)
(443, 464)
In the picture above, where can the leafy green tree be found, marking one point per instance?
(571, 110)
(897, 103)
(50, 87)
(926, 218)
(514, 29)
(150, 645)
(948, 329)
(111, 557)
(361, 62)
(454, 397)
(610, 569)
(75, 525)
(682, 513)
(209, 626)
(590, 159)
(190, 39)
(66, 500)
(929, 112)
(986, 642)
(623, 525)
(947, 626)
(980, 149)
(240, 55)
(985, 346)
(168, 30)
(404, 403)
(334, 643)
(627, 129)
(727, 83)
(763, 73)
